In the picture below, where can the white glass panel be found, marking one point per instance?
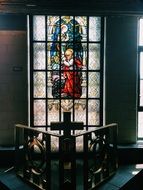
(67, 105)
(80, 110)
(94, 85)
(53, 111)
(141, 92)
(140, 124)
(141, 65)
(94, 28)
(39, 27)
(39, 85)
(141, 32)
(93, 112)
(94, 56)
(39, 55)
(39, 112)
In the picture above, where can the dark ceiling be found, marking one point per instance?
(75, 6)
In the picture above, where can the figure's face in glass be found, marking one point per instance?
(68, 55)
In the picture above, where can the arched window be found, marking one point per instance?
(66, 69)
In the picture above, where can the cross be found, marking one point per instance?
(67, 125)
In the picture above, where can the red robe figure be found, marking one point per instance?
(72, 75)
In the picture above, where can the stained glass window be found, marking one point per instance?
(66, 69)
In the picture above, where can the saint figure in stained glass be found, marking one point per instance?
(66, 58)
(72, 75)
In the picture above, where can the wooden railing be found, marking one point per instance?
(52, 161)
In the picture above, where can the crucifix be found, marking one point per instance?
(67, 125)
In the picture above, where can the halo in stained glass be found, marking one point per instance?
(94, 56)
(39, 27)
(94, 28)
(39, 79)
(67, 25)
(94, 84)
(64, 47)
(93, 112)
(39, 56)
(39, 112)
